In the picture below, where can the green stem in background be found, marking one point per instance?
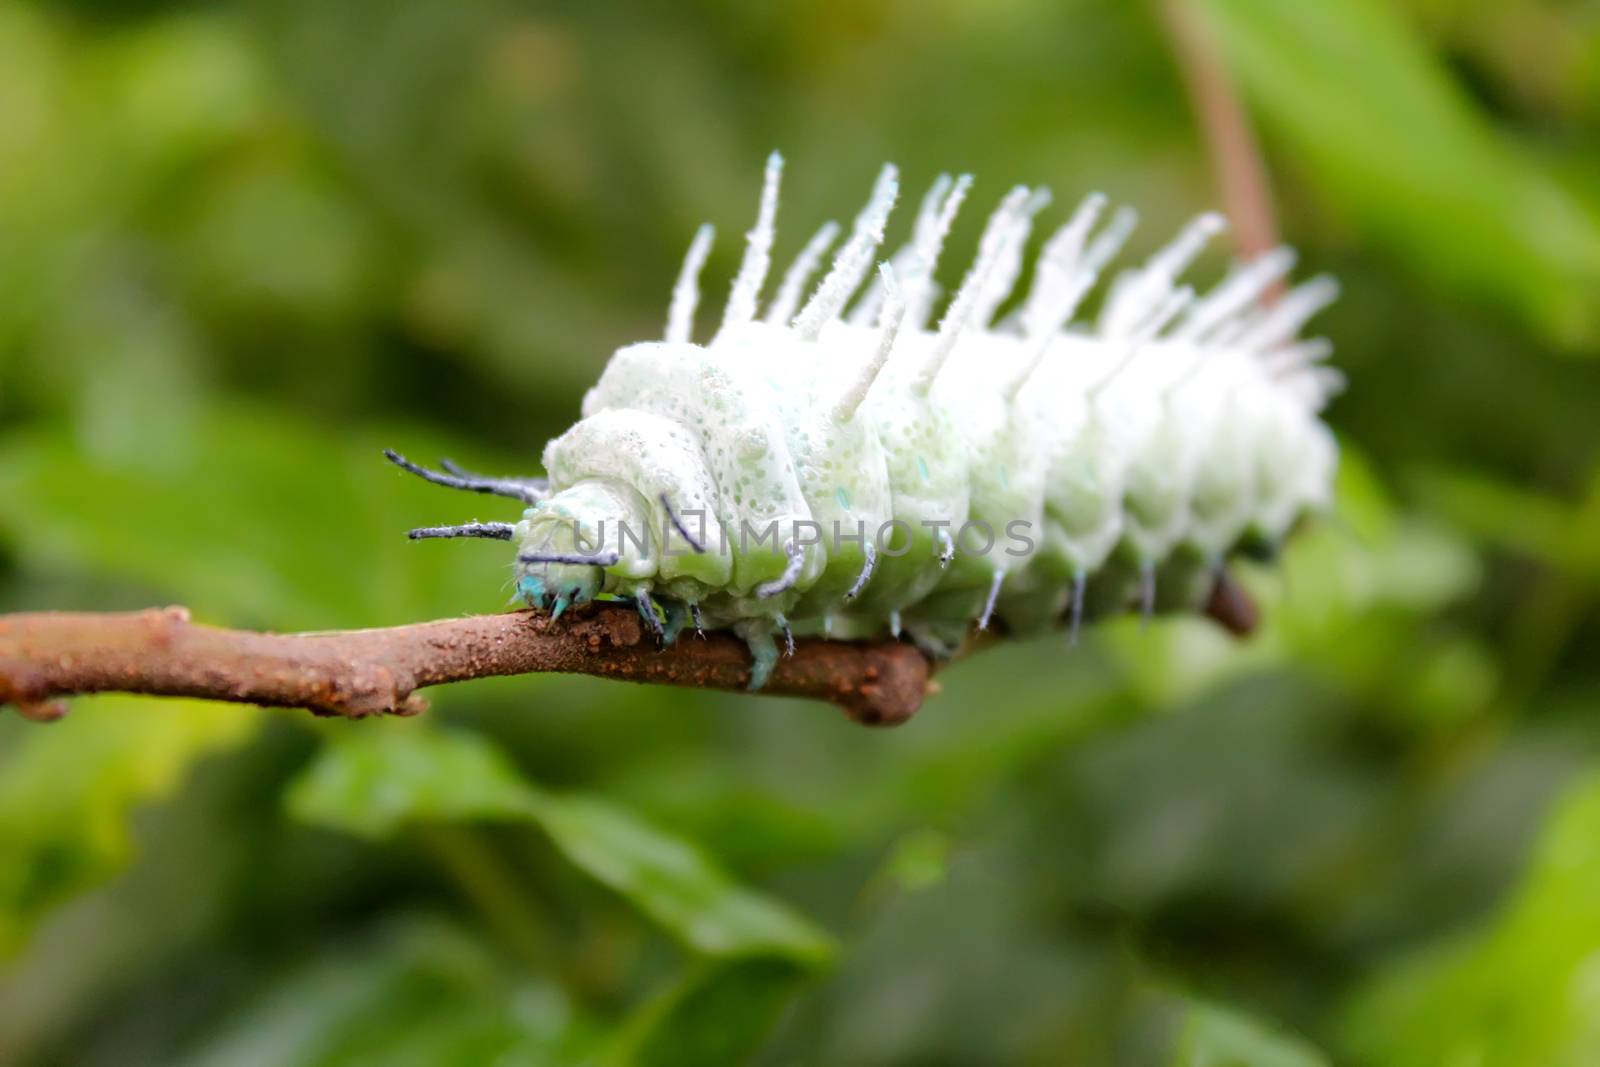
(1236, 162)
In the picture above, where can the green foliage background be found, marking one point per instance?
(245, 244)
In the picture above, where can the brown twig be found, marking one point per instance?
(1236, 161)
(369, 672)
(355, 673)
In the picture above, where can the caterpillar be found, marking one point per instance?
(840, 462)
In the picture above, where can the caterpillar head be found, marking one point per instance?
(561, 557)
(567, 541)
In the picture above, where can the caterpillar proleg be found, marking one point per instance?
(859, 464)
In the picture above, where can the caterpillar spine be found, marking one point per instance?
(1171, 432)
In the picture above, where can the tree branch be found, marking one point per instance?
(356, 673)
(1240, 172)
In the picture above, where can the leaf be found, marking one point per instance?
(68, 790)
(1526, 990)
(371, 783)
(1398, 146)
(420, 992)
(1560, 534)
(259, 518)
(718, 1013)
(1214, 1036)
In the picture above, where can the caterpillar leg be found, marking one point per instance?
(651, 617)
(558, 587)
(758, 634)
(935, 641)
(677, 613)
(530, 587)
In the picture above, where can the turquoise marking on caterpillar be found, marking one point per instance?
(822, 465)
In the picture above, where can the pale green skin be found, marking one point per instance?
(1148, 467)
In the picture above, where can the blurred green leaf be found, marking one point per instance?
(371, 783)
(1565, 536)
(1214, 1036)
(259, 518)
(68, 790)
(1524, 991)
(919, 860)
(420, 993)
(717, 1013)
(1379, 126)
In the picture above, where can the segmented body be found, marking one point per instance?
(853, 466)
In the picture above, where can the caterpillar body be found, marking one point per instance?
(850, 466)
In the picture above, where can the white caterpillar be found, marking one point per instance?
(850, 466)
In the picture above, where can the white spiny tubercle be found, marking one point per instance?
(1101, 251)
(1185, 248)
(1139, 292)
(1003, 277)
(932, 204)
(889, 320)
(1327, 382)
(746, 292)
(1226, 334)
(1241, 289)
(799, 272)
(996, 233)
(1104, 248)
(927, 233)
(1013, 388)
(686, 293)
(1314, 385)
(958, 316)
(1298, 356)
(1058, 266)
(1283, 320)
(1069, 293)
(1162, 314)
(853, 260)
(925, 251)
(1130, 352)
(865, 311)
